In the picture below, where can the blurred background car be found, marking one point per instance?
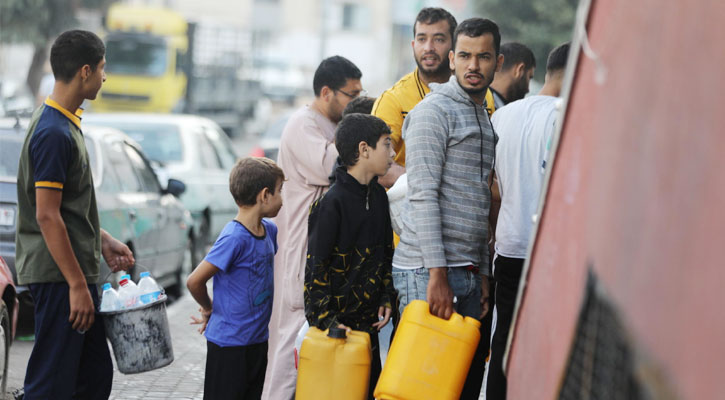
(190, 148)
(8, 320)
(268, 145)
(135, 209)
(132, 206)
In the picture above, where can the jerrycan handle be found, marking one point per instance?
(337, 333)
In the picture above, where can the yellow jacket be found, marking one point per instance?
(394, 104)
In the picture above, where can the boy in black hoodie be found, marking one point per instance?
(348, 281)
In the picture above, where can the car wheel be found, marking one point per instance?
(183, 271)
(4, 345)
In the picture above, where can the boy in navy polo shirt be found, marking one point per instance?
(59, 240)
(241, 263)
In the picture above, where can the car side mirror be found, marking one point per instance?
(175, 187)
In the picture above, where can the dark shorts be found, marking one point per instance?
(234, 372)
(66, 364)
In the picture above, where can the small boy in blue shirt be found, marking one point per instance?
(241, 263)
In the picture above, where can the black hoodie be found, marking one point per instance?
(349, 255)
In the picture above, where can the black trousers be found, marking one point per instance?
(474, 379)
(375, 364)
(64, 363)
(234, 372)
(507, 275)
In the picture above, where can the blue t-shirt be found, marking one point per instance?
(243, 287)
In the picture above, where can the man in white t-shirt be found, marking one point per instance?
(524, 128)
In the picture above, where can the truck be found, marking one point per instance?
(158, 61)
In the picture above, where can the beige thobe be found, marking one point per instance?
(307, 154)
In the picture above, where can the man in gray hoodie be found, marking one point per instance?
(442, 256)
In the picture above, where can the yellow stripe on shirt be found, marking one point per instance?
(49, 185)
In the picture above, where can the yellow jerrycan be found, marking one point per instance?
(429, 357)
(334, 364)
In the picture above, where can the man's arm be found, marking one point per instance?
(388, 109)
(56, 239)
(388, 180)
(323, 230)
(313, 153)
(426, 132)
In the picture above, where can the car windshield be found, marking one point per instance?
(160, 142)
(135, 55)
(10, 148)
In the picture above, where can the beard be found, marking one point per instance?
(442, 69)
(474, 90)
(519, 90)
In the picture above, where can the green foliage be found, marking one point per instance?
(539, 24)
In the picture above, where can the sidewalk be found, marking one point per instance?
(182, 379)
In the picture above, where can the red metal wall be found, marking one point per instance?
(637, 191)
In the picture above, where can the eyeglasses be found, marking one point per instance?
(363, 93)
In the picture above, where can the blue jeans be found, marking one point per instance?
(412, 284)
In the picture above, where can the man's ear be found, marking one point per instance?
(519, 70)
(499, 62)
(326, 93)
(451, 57)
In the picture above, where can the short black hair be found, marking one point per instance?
(360, 104)
(431, 15)
(475, 27)
(353, 129)
(515, 53)
(74, 49)
(334, 72)
(250, 175)
(558, 58)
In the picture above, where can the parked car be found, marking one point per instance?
(132, 206)
(268, 145)
(190, 148)
(135, 209)
(12, 134)
(8, 320)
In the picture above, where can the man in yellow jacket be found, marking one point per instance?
(432, 41)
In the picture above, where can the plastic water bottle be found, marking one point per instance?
(128, 294)
(149, 291)
(109, 299)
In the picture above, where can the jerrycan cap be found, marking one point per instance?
(337, 333)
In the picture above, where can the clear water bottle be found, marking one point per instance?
(128, 294)
(149, 291)
(109, 299)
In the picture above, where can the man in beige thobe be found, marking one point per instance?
(307, 153)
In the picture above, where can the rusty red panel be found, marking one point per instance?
(637, 191)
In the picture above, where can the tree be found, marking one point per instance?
(38, 22)
(539, 24)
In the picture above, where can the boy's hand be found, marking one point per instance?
(117, 255)
(81, 308)
(345, 327)
(383, 316)
(205, 314)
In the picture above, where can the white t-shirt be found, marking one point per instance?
(524, 128)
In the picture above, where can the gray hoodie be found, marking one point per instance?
(450, 147)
